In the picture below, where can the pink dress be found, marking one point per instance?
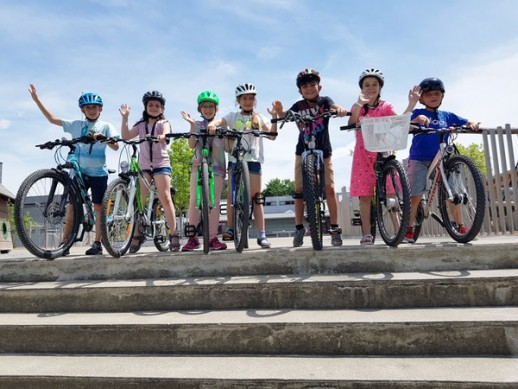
(363, 178)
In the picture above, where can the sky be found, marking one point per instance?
(122, 48)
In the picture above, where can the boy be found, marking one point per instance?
(308, 84)
(91, 157)
(424, 148)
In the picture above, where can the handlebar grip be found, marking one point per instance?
(349, 127)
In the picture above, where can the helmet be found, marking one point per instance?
(208, 96)
(372, 73)
(432, 83)
(245, 89)
(307, 75)
(153, 95)
(90, 99)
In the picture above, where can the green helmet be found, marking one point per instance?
(208, 96)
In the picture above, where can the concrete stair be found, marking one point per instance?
(420, 316)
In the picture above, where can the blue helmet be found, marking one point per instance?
(90, 99)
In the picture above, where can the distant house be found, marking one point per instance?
(6, 242)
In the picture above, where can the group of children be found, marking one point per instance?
(154, 158)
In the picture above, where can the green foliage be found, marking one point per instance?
(27, 221)
(180, 155)
(476, 153)
(278, 187)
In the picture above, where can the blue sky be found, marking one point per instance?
(122, 48)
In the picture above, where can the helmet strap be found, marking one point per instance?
(247, 112)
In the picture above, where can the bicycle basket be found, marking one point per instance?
(385, 133)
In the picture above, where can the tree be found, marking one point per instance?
(180, 155)
(476, 153)
(278, 187)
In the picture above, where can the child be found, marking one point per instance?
(308, 84)
(425, 147)
(208, 107)
(247, 118)
(363, 178)
(153, 159)
(91, 157)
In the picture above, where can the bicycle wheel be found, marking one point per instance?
(117, 224)
(47, 213)
(205, 205)
(313, 200)
(161, 230)
(393, 203)
(464, 214)
(241, 204)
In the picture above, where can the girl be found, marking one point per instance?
(369, 104)
(247, 118)
(153, 159)
(208, 107)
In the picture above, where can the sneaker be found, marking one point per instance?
(298, 237)
(228, 235)
(96, 249)
(409, 236)
(215, 244)
(336, 236)
(463, 230)
(367, 240)
(264, 243)
(192, 244)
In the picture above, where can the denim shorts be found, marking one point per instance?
(253, 167)
(158, 170)
(416, 171)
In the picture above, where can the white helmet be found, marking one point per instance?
(372, 73)
(245, 89)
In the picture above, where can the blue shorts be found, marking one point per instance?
(253, 167)
(417, 172)
(98, 186)
(158, 170)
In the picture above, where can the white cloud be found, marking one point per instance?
(4, 124)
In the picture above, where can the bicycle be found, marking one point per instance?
(205, 197)
(240, 183)
(313, 174)
(53, 204)
(123, 209)
(461, 195)
(390, 207)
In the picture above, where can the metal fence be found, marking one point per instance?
(501, 216)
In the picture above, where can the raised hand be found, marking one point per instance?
(125, 110)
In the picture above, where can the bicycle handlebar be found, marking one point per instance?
(88, 139)
(418, 129)
(233, 133)
(292, 116)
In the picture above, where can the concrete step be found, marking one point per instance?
(433, 331)
(317, 291)
(441, 256)
(254, 371)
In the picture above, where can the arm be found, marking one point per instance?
(273, 112)
(49, 115)
(340, 111)
(413, 98)
(355, 110)
(188, 118)
(126, 133)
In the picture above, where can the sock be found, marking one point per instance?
(299, 226)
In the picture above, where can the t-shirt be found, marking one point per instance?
(425, 146)
(152, 155)
(254, 144)
(91, 157)
(320, 126)
(217, 145)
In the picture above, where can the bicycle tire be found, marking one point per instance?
(160, 228)
(205, 205)
(312, 198)
(393, 203)
(116, 228)
(467, 186)
(42, 201)
(241, 204)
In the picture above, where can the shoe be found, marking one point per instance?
(462, 230)
(215, 244)
(367, 240)
(96, 249)
(298, 237)
(228, 235)
(336, 236)
(264, 243)
(174, 242)
(135, 247)
(409, 236)
(192, 244)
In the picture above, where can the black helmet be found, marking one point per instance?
(153, 95)
(432, 83)
(307, 75)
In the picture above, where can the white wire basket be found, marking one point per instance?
(385, 133)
